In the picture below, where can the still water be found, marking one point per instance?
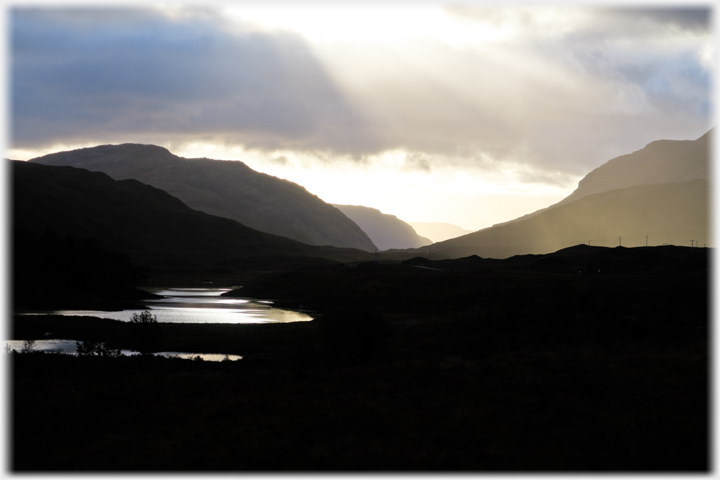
(199, 305)
(180, 305)
(69, 347)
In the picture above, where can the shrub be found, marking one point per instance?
(97, 349)
(146, 331)
(143, 317)
(28, 346)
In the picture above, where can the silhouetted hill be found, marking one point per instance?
(224, 188)
(152, 227)
(438, 231)
(553, 281)
(386, 231)
(671, 213)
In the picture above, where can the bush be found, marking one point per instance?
(146, 331)
(143, 317)
(98, 349)
(28, 346)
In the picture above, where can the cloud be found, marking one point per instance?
(557, 90)
(417, 162)
(104, 73)
(281, 160)
(692, 18)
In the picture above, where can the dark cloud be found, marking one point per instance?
(694, 18)
(418, 161)
(281, 160)
(86, 73)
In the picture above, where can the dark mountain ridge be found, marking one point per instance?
(228, 189)
(151, 226)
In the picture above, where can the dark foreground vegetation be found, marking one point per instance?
(531, 364)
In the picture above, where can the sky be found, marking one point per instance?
(468, 113)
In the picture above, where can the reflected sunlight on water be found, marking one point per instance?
(199, 305)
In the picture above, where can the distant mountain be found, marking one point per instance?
(149, 225)
(660, 192)
(228, 189)
(386, 231)
(438, 231)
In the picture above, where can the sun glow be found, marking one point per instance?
(392, 183)
(374, 23)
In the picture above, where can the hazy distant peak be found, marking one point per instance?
(386, 231)
(439, 231)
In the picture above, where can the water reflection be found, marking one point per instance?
(68, 347)
(200, 305)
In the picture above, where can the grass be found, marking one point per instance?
(520, 411)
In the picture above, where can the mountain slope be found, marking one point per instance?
(670, 213)
(660, 192)
(148, 224)
(662, 161)
(386, 231)
(228, 189)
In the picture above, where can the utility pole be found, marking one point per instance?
(646, 240)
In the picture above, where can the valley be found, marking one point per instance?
(572, 339)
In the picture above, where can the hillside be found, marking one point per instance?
(386, 231)
(228, 189)
(660, 192)
(672, 213)
(662, 161)
(149, 225)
